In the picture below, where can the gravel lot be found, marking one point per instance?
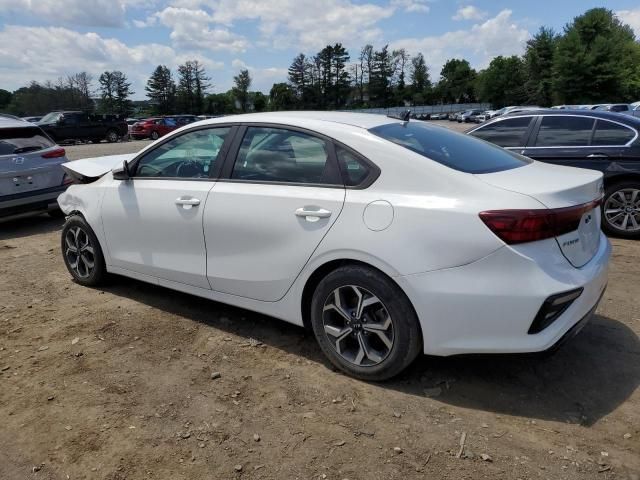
(76, 152)
(116, 383)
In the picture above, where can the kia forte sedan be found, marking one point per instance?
(386, 237)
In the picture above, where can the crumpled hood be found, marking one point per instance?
(90, 169)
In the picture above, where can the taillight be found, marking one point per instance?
(519, 226)
(67, 180)
(57, 153)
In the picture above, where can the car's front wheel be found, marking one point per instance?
(154, 135)
(112, 136)
(364, 323)
(621, 209)
(82, 253)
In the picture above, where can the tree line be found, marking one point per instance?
(595, 59)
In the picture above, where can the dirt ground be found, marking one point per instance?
(116, 383)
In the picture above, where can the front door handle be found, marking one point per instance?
(597, 155)
(187, 202)
(312, 215)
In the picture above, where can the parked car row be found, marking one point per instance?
(632, 109)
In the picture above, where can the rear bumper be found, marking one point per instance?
(30, 201)
(488, 306)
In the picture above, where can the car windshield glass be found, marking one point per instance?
(22, 140)
(455, 150)
(51, 117)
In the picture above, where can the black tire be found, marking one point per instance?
(112, 136)
(93, 276)
(625, 188)
(154, 135)
(406, 340)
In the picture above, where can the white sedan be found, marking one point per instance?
(386, 237)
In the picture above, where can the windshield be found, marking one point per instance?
(455, 150)
(52, 117)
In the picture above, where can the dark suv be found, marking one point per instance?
(602, 141)
(69, 125)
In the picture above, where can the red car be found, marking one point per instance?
(153, 128)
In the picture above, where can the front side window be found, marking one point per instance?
(191, 155)
(280, 155)
(609, 133)
(454, 150)
(564, 131)
(506, 133)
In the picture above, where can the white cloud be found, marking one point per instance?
(302, 24)
(469, 12)
(94, 13)
(499, 35)
(412, 6)
(23, 58)
(190, 28)
(632, 18)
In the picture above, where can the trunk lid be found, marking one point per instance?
(560, 188)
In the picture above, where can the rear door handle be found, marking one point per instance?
(187, 202)
(312, 215)
(597, 155)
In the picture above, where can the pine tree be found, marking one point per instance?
(241, 90)
(161, 90)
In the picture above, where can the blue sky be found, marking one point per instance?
(45, 39)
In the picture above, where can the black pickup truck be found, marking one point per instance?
(65, 125)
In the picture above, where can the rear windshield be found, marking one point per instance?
(23, 140)
(455, 150)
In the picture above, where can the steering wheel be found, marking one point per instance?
(189, 168)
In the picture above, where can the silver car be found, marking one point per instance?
(31, 177)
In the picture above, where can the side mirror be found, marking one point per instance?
(122, 173)
(60, 121)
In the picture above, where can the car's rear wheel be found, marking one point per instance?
(154, 135)
(82, 253)
(112, 136)
(621, 209)
(364, 323)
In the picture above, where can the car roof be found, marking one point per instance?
(360, 120)
(617, 117)
(6, 122)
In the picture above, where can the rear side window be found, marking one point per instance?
(23, 140)
(609, 133)
(506, 133)
(455, 150)
(561, 131)
(354, 170)
(280, 155)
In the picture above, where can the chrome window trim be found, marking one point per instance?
(628, 144)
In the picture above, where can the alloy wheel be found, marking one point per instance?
(79, 252)
(358, 326)
(622, 209)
